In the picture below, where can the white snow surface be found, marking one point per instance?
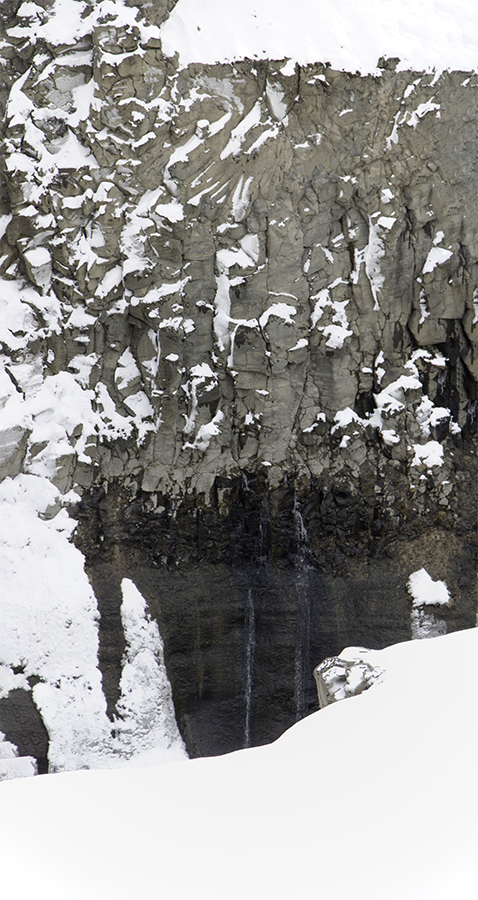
(424, 34)
(436, 257)
(50, 630)
(374, 797)
(425, 591)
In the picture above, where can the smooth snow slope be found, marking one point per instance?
(373, 798)
(350, 34)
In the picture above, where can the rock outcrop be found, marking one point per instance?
(346, 675)
(241, 339)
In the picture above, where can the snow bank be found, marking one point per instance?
(374, 797)
(50, 631)
(424, 34)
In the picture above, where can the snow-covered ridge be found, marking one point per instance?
(423, 34)
(352, 36)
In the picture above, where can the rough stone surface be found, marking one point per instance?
(258, 294)
(346, 675)
(23, 726)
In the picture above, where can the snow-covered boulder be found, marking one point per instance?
(346, 675)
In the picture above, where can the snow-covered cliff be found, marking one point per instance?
(238, 336)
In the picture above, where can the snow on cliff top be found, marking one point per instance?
(373, 798)
(350, 34)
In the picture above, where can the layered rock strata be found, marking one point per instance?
(241, 327)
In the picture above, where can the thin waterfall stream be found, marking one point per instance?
(302, 646)
(250, 630)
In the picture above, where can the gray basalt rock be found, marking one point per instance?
(263, 289)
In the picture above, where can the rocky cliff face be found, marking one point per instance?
(241, 326)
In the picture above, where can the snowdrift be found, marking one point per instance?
(374, 797)
(422, 34)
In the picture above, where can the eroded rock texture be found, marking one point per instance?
(247, 298)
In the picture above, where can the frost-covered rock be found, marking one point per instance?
(346, 675)
(238, 218)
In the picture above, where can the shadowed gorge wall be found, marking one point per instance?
(249, 594)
